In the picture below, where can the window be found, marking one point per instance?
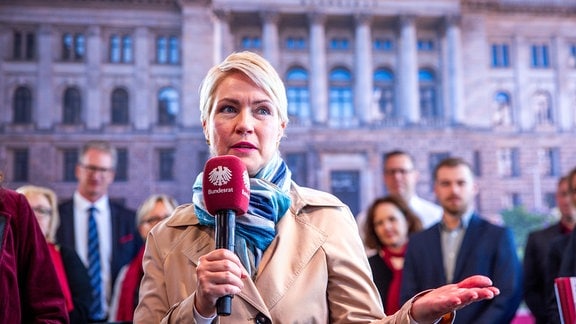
(22, 106)
(383, 44)
(73, 47)
(508, 162)
(550, 200)
(341, 98)
(119, 107)
(503, 110)
(121, 49)
(21, 167)
(542, 107)
(345, 184)
(549, 160)
(539, 56)
(70, 159)
(296, 43)
(425, 45)
(383, 95)
(572, 54)
(298, 93)
(121, 173)
(166, 164)
(24, 45)
(433, 159)
(168, 106)
(477, 163)
(500, 56)
(339, 44)
(427, 86)
(251, 42)
(167, 50)
(511, 200)
(297, 164)
(72, 106)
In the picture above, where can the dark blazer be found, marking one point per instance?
(554, 261)
(381, 275)
(567, 269)
(487, 249)
(126, 242)
(79, 283)
(535, 269)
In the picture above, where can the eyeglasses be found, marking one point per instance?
(95, 169)
(153, 220)
(391, 172)
(42, 211)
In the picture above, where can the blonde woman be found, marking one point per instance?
(125, 296)
(72, 274)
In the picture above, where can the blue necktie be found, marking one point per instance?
(94, 268)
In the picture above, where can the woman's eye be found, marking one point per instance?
(263, 111)
(227, 109)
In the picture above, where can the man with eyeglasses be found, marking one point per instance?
(401, 178)
(102, 232)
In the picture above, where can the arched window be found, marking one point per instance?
(168, 106)
(22, 106)
(427, 87)
(72, 106)
(503, 111)
(119, 107)
(341, 98)
(384, 93)
(542, 107)
(298, 93)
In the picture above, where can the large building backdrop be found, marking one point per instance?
(492, 81)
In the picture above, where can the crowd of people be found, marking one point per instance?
(295, 257)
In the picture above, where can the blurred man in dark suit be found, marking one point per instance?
(102, 232)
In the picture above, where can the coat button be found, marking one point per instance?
(261, 319)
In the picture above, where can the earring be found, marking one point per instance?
(208, 142)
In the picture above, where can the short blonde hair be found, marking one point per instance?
(29, 190)
(148, 204)
(257, 69)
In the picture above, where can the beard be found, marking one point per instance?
(455, 206)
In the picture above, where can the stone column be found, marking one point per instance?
(318, 70)
(143, 107)
(44, 103)
(270, 37)
(363, 86)
(453, 77)
(521, 100)
(221, 33)
(408, 71)
(563, 117)
(94, 101)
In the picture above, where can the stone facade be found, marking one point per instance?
(493, 81)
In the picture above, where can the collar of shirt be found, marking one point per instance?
(464, 221)
(81, 203)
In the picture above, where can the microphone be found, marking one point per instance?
(226, 190)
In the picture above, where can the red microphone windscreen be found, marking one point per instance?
(226, 185)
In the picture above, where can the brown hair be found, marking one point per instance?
(370, 238)
(451, 162)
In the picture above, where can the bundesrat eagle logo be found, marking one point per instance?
(220, 176)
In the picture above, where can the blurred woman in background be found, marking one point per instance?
(387, 228)
(125, 295)
(72, 274)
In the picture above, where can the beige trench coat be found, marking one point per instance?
(315, 270)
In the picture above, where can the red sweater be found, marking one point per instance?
(29, 288)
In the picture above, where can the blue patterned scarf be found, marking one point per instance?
(269, 201)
